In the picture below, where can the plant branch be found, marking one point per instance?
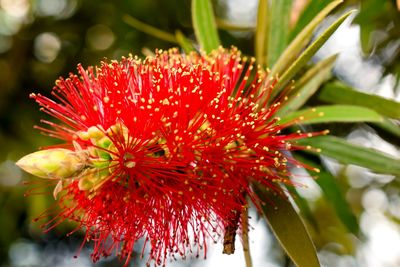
(245, 237)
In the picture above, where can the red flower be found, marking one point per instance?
(168, 149)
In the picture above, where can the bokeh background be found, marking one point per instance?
(41, 40)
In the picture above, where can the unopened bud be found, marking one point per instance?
(55, 163)
(117, 129)
(92, 179)
(95, 132)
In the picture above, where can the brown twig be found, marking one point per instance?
(245, 238)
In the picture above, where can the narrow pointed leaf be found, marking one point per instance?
(309, 12)
(204, 25)
(334, 196)
(305, 209)
(389, 126)
(334, 113)
(299, 43)
(311, 50)
(288, 228)
(324, 65)
(343, 94)
(365, 37)
(307, 85)
(262, 29)
(348, 153)
(141, 26)
(228, 26)
(279, 29)
(183, 41)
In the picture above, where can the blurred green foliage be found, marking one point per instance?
(380, 33)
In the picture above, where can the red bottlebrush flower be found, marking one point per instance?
(163, 149)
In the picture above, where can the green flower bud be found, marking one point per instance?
(98, 138)
(105, 143)
(95, 133)
(119, 128)
(55, 163)
(83, 135)
(93, 179)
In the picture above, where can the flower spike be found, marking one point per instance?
(165, 149)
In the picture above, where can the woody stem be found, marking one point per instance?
(245, 237)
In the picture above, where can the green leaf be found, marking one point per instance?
(183, 41)
(342, 94)
(365, 37)
(370, 11)
(348, 153)
(226, 25)
(310, 11)
(333, 195)
(141, 26)
(311, 50)
(307, 85)
(389, 126)
(279, 29)
(261, 35)
(325, 66)
(288, 228)
(301, 40)
(305, 209)
(204, 25)
(333, 113)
